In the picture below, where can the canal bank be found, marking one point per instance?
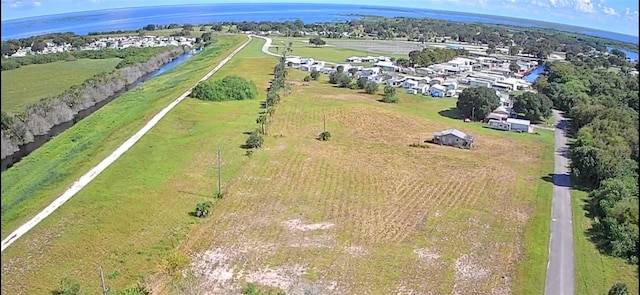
(38, 140)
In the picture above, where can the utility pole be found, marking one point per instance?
(266, 116)
(324, 123)
(104, 284)
(219, 173)
(473, 112)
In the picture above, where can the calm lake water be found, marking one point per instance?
(136, 18)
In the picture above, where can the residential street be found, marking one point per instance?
(560, 267)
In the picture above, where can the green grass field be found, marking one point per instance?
(595, 271)
(29, 84)
(39, 178)
(133, 239)
(398, 219)
(301, 47)
(392, 213)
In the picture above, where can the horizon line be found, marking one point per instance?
(229, 2)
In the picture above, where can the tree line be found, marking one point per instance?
(278, 85)
(603, 107)
(39, 118)
(130, 56)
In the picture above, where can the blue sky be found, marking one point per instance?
(610, 15)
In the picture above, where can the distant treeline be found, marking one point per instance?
(536, 41)
(39, 118)
(129, 56)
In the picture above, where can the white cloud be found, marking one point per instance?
(14, 4)
(37, 3)
(609, 11)
(584, 6)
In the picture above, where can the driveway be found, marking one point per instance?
(560, 267)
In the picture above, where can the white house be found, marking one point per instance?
(420, 89)
(409, 83)
(294, 62)
(436, 81)
(437, 90)
(520, 125)
(307, 61)
(451, 85)
(366, 72)
(386, 66)
(396, 82)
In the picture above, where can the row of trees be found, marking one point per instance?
(537, 41)
(39, 118)
(278, 85)
(604, 157)
(429, 56)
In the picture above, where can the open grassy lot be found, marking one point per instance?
(330, 53)
(29, 84)
(139, 220)
(366, 213)
(39, 178)
(596, 272)
(362, 213)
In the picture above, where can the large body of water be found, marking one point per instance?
(136, 18)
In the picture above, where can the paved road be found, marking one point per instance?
(560, 267)
(267, 44)
(93, 173)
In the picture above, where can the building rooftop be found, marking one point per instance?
(519, 121)
(454, 132)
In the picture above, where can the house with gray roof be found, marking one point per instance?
(453, 137)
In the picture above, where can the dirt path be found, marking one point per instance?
(95, 171)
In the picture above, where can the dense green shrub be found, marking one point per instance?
(228, 88)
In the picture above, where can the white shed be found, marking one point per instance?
(520, 125)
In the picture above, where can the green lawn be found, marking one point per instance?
(39, 178)
(124, 239)
(596, 272)
(135, 213)
(301, 47)
(29, 84)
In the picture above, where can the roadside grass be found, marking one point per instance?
(334, 54)
(41, 177)
(596, 272)
(30, 84)
(136, 212)
(437, 219)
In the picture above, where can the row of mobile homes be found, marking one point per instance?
(511, 124)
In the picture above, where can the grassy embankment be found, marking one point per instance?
(334, 54)
(42, 176)
(29, 84)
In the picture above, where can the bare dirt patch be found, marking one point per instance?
(297, 224)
